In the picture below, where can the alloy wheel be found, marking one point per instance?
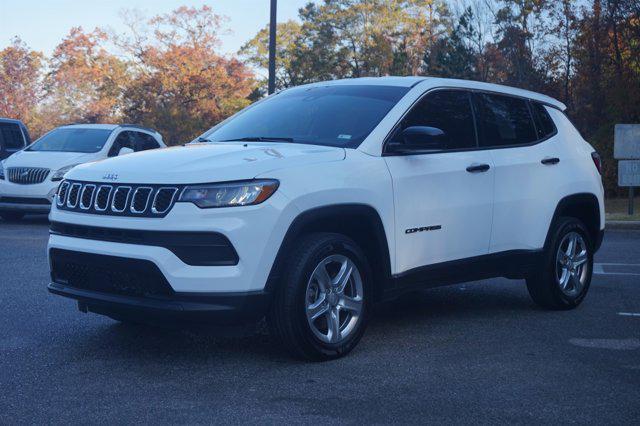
(334, 299)
(572, 264)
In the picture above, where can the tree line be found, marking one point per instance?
(167, 72)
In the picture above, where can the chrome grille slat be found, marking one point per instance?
(87, 191)
(61, 196)
(27, 175)
(74, 195)
(161, 205)
(138, 196)
(98, 204)
(116, 199)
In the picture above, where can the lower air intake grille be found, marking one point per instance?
(108, 274)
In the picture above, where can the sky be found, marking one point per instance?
(42, 24)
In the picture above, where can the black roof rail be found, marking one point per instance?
(137, 126)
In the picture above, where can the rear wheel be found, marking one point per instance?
(565, 276)
(321, 308)
(11, 216)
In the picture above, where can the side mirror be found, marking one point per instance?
(424, 138)
(124, 150)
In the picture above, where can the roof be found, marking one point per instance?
(442, 82)
(109, 126)
(9, 120)
(92, 126)
(498, 88)
(372, 81)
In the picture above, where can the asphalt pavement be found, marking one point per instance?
(474, 353)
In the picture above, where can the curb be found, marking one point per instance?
(622, 224)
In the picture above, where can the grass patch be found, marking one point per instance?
(617, 208)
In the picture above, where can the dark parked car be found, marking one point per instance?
(13, 136)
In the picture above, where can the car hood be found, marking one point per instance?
(49, 160)
(203, 163)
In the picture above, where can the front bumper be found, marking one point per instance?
(35, 198)
(179, 309)
(25, 207)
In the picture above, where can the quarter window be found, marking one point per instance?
(504, 121)
(447, 110)
(544, 124)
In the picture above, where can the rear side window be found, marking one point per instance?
(504, 121)
(145, 141)
(11, 136)
(123, 140)
(544, 124)
(449, 111)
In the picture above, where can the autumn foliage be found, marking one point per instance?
(164, 73)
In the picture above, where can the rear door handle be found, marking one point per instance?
(549, 161)
(478, 168)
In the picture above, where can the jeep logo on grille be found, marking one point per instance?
(110, 176)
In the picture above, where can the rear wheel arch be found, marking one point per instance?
(582, 206)
(360, 222)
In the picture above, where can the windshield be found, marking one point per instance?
(72, 140)
(328, 115)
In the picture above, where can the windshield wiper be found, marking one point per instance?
(259, 139)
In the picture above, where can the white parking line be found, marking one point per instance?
(629, 314)
(598, 269)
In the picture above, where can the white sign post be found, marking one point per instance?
(626, 148)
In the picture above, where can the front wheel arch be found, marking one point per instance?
(360, 222)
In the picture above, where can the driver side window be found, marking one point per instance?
(447, 110)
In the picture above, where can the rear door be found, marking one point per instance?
(443, 200)
(522, 141)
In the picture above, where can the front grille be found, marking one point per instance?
(27, 175)
(108, 274)
(117, 199)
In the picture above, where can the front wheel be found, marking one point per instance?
(565, 276)
(322, 305)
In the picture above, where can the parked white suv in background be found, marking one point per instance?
(30, 177)
(312, 204)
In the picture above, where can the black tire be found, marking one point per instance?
(543, 285)
(287, 318)
(11, 216)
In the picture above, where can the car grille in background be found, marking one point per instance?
(116, 199)
(27, 175)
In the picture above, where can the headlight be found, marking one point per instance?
(229, 194)
(59, 174)
(2, 170)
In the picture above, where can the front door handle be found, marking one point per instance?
(478, 168)
(549, 161)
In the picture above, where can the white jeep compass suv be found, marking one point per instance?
(311, 205)
(30, 177)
